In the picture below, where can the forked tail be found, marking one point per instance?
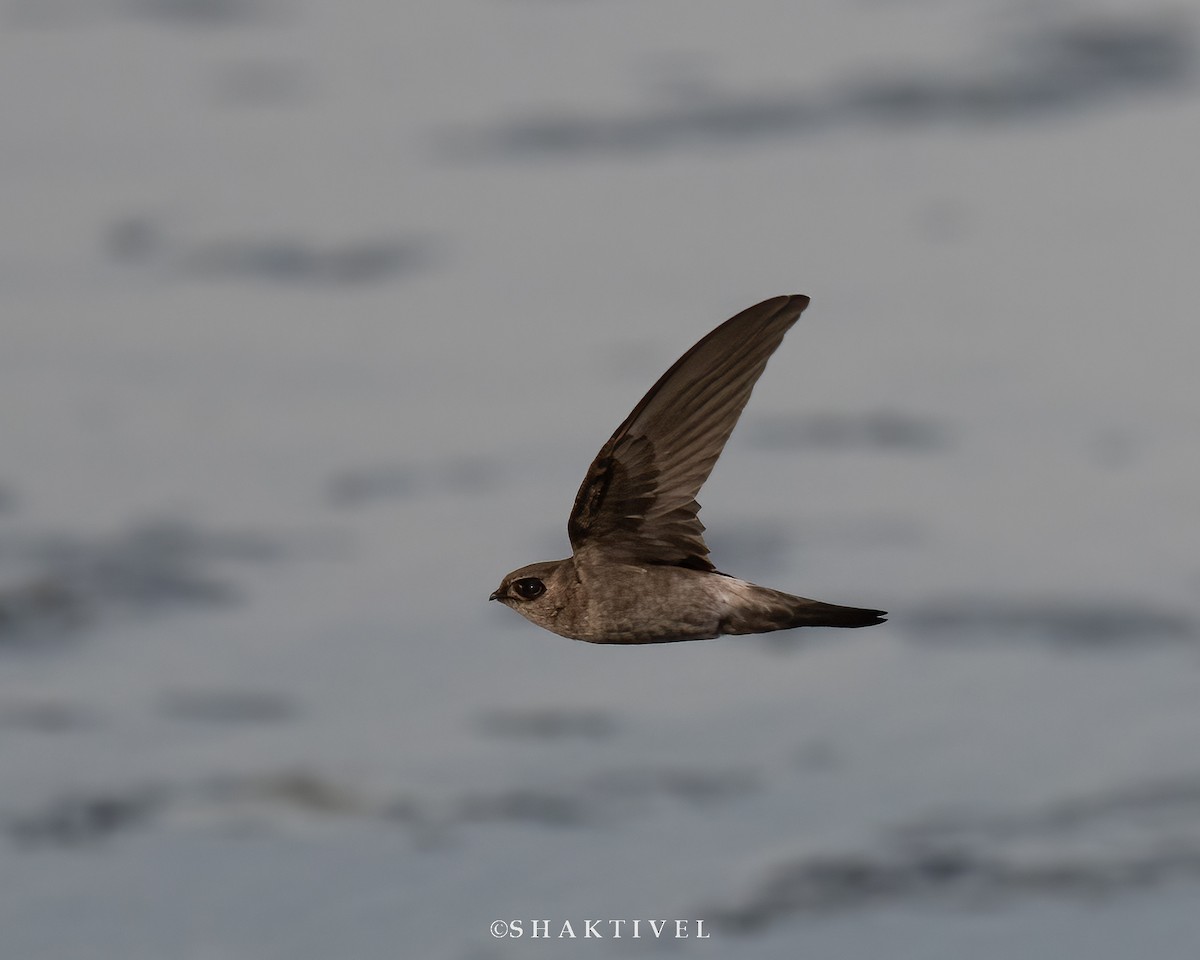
(761, 610)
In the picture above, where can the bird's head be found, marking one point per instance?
(535, 591)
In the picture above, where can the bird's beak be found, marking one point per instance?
(495, 596)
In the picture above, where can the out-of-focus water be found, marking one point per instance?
(314, 318)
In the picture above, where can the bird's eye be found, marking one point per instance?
(528, 588)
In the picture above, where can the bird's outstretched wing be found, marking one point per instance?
(638, 500)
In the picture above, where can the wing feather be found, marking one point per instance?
(638, 500)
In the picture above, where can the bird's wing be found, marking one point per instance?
(638, 500)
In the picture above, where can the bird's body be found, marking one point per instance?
(639, 572)
(607, 603)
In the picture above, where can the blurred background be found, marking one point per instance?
(314, 316)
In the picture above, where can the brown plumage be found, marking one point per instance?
(640, 571)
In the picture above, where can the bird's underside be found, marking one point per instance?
(607, 604)
(640, 570)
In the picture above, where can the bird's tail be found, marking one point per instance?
(761, 610)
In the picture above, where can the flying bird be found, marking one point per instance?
(639, 571)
